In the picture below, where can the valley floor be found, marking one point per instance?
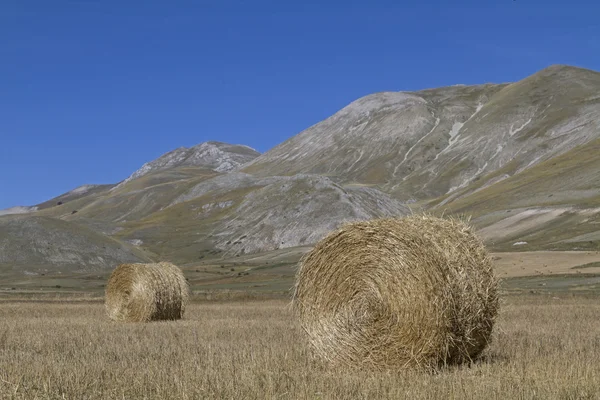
(546, 346)
(270, 275)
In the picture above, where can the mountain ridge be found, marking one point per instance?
(508, 154)
(219, 156)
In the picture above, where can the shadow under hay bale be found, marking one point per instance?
(416, 292)
(146, 292)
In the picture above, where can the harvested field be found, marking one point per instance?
(254, 350)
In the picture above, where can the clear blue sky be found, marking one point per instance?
(92, 89)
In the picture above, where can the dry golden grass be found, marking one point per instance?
(544, 348)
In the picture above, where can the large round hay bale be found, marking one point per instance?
(393, 293)
(146, 292)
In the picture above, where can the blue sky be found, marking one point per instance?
(92, 89)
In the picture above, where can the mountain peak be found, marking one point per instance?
(380, 100)
(218, 156)
(563, 70)
(18, 210)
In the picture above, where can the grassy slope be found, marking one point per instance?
(569, 180)
(182, 232)
(133, 199)
(578, 169)
(43, 244)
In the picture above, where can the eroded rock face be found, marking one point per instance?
(430, 143)
(299, 210)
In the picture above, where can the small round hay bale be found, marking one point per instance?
(146, 292)
(415, 292)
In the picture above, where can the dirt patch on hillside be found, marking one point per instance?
(516, 264)
(521, 222)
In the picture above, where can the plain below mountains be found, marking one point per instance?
(522, 159)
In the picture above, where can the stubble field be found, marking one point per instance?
(546, 346)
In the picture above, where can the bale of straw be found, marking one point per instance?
(146, 292)
(415, 292)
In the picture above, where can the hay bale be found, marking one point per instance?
(146, 292)
(397, 293)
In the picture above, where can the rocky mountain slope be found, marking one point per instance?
(430, 143)
(34, 244)
(522, 159)
(218, 156)
(98, 211)
(185, 213)
(238, 214)
(378, 139)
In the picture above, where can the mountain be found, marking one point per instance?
(218, 156)
(18, 210)
(186, 205)
(421, 145)
(522, 159)
(75, 194)
(236, 213)
(150, 188)
(80, 226)
(378, 139)
(34, 244)
(553, 205)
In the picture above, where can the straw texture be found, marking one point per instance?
(146, 292)
(416, 292)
